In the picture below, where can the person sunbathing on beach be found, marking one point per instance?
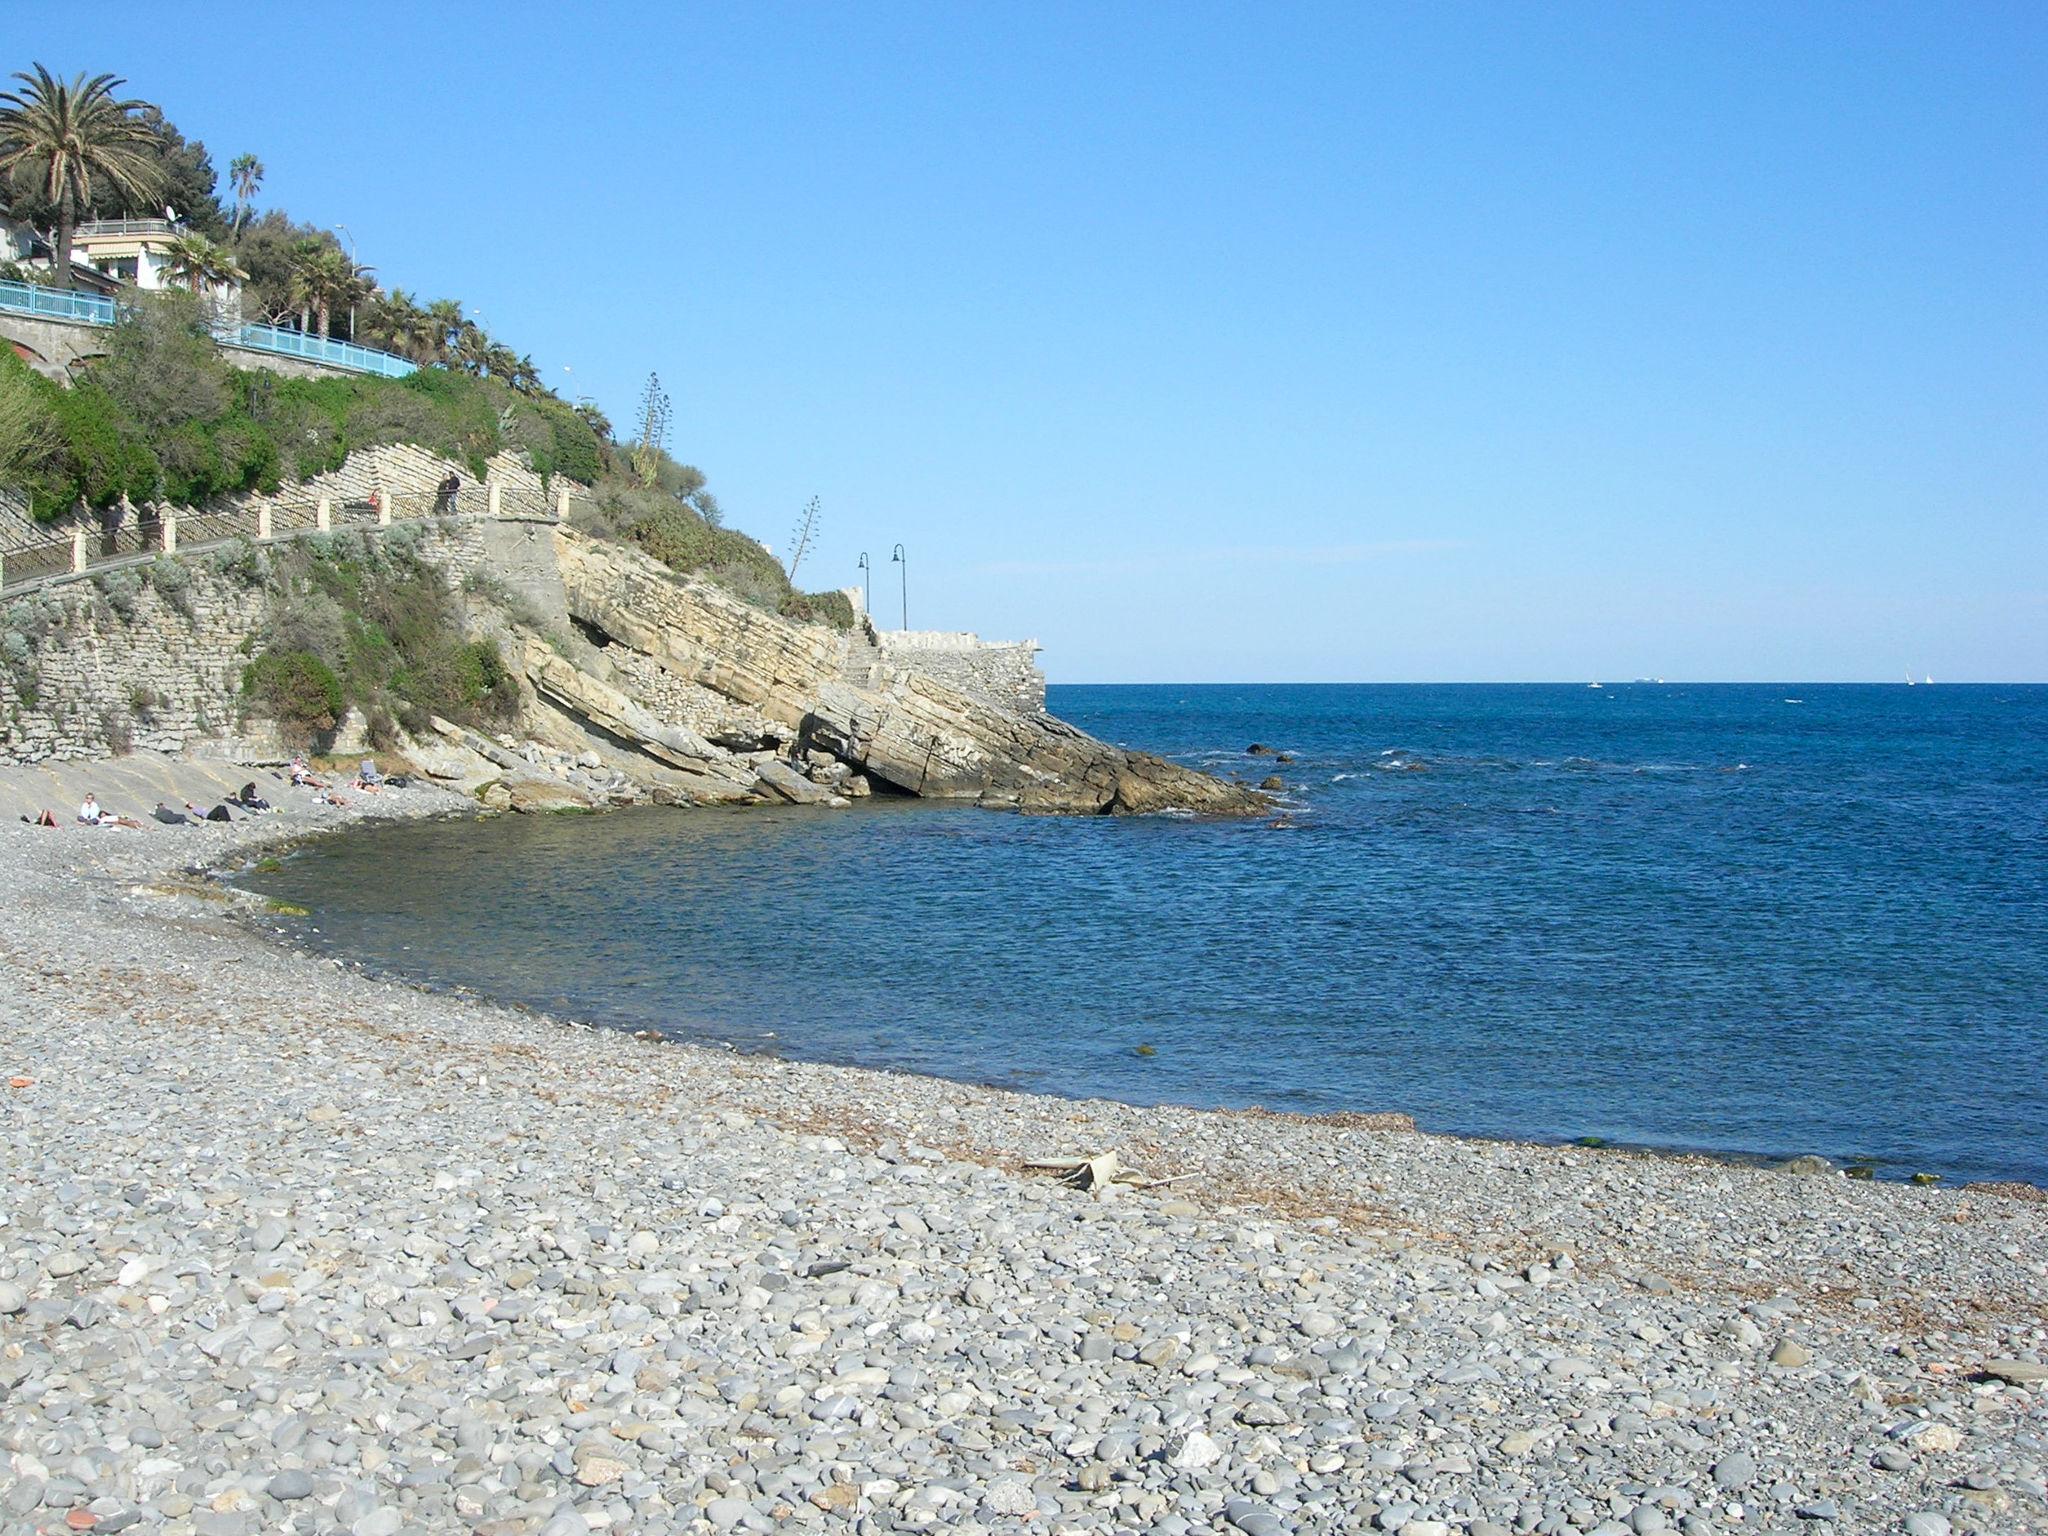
(42, 818)
(90, 815)
(171, 818)
(247, 798)
(218, 813)
(303, 776)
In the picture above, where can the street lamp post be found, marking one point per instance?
(898, 560)
(343, 229)
(867, 585)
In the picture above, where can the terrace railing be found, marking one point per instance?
(93, 228)
(57, 304)
(92, 309)
(152, 534)
(335, 354)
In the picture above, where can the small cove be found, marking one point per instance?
(1694, 918)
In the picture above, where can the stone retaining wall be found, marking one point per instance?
(998, 672)
(152, 655)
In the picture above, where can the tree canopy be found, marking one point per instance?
(69, 145)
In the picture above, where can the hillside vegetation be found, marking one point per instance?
(163, 417)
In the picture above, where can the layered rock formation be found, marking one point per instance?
(903, 729)
(639, 682)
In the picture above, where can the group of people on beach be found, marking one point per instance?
(367, 780)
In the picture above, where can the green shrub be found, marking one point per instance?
(30, 437)
(122, 589)
(241, 561)
(104, 456)
(578, 453)
(384, 623)
(162, 368)
(833, 608)
(173, 582)
(299, 691)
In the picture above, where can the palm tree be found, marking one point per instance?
(200, 264)
(448, 325)
(500, 361)
(473, 349)
(397, 321)
(324, 280)
(245, 172)
(64, 136)
(595, 418)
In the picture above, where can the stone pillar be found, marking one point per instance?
(78, 547)
(323, 518)
(383, 507)
(170, 527)
(497, 499)
(263, 520)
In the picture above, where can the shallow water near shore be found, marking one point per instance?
(1737, 919)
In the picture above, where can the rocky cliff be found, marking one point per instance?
(637, 681)
(836, 700)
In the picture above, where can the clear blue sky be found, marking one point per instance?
(1252, 342)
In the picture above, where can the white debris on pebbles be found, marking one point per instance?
(286, 1249)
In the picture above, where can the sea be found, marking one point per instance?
(1754, 921)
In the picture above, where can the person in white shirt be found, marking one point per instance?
(90, 814)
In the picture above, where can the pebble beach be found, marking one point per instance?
(285, 1247)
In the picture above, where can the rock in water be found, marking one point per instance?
(782, 782)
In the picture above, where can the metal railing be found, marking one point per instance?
(150, 534)
(57, 304)
(37, 563)
(92, 309)
(196, 530)
(336, 354)
(93, 228)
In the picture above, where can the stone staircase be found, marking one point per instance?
(864, 666)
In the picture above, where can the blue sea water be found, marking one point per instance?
(1743, 919)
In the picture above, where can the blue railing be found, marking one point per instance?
(91, 309)
(336, 354)
(56, 303)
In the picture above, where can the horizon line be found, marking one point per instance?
(1538, 682)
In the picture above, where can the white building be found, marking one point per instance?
(130, 250)
(137, 252)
